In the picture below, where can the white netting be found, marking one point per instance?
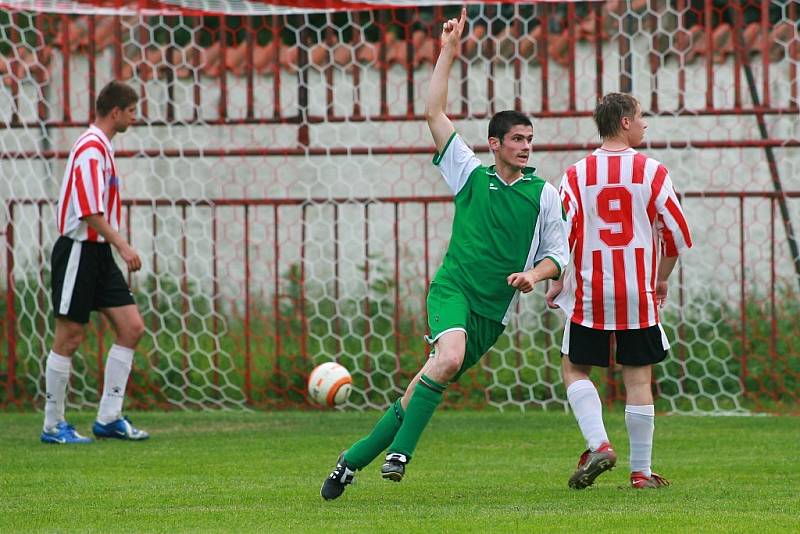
(281, 194)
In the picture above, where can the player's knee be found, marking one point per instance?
(573, 372)
(138, 330)
(133, 332)
(69, 344)
(67, 340)
(449, 362)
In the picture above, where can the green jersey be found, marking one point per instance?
(498, 229)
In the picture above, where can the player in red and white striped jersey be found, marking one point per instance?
(90, 186)
(85, 276)
(626, 232)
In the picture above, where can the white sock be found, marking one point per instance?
(118, 368)
(56, 378)
(640, 421)
(588, 410)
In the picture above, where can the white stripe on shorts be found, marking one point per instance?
(664, 340)
(69, 277)
(433, 340)
(565, 341)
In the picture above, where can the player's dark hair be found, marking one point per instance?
(610, 110)
(115, 95)
(503, 121)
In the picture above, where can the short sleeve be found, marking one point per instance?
(553, 241)
(87, 193)
(456, 162)
(671, 222)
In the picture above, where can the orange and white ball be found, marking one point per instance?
(329, 384)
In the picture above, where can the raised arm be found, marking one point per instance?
(435, 104)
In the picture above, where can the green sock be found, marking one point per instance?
(363, 451)
(427, 396)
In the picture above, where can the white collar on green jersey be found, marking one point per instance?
(527, 174)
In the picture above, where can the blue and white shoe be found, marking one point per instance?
(62, 434)
(119, 429)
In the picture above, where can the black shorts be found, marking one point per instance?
(85, 278)
(640, 346)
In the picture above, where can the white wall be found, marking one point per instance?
(715, 223)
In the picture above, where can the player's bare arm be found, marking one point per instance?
(552, 292)
(665, 266)
(441, 126)
(525, 281)
(127, 252)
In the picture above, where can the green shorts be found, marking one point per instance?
(448, 310)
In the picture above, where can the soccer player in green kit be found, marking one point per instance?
(508, 234)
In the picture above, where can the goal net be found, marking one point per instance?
(279, 189)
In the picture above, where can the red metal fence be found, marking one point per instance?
(222, 75)
(773, 348)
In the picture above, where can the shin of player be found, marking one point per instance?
(626, 232)
(85, 275)
(508, 234)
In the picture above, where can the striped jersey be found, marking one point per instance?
(498, 229)
(90, 186)
(622, 212)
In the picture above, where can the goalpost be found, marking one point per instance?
(279, 189)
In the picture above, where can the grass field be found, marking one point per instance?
(474, 472)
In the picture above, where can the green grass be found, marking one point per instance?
(473, 472)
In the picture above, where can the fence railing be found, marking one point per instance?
(769, 293)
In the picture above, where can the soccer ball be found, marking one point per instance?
(329, 384)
